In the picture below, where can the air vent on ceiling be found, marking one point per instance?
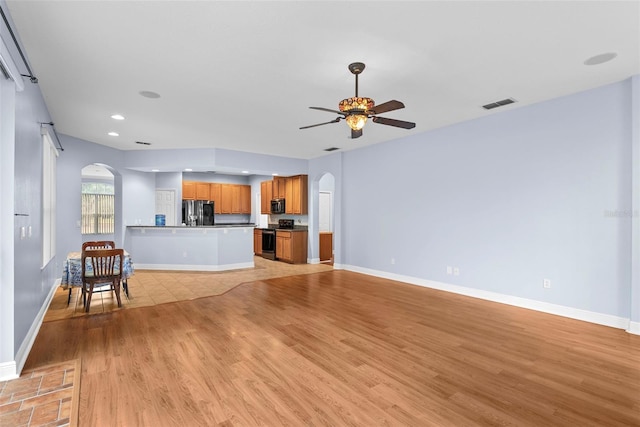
(143, 143)
(499, 103)
(331, 149)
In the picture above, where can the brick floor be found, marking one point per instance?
(46, 396)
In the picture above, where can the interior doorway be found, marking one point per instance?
(166, 205)
(325, 218)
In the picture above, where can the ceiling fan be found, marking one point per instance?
(357, 110)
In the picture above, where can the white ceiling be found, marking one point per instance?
(241, 75)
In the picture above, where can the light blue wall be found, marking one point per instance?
(510, 199)
(7, 230)
(32, 284)
(25, 283)
(635, 200)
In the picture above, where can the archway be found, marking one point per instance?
(326, 221)
(101, 203)
(325, 182)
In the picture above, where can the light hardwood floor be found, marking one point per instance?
(339, 348)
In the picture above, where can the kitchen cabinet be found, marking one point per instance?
(279, 190)
(188, 190)
(257, 241)
(291, 246)
(266, 194)
(202, 191)
(215, 191)
(296, 199)
(292, 188)
(245, 199)
(226, 198)
(235, 199)
(240, 198)
(288, 196)
(326, 246)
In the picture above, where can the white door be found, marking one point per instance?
(166, 204)
(324, 211)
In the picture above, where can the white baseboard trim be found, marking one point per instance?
(187, 267)
(313, 260)
(8, 371)
(634, 328)
(27, 343)
(545, 307)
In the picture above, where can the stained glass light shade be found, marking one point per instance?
(359, 104)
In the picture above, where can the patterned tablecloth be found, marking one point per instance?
(72, 272)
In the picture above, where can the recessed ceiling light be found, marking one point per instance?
(113, 134)
(155, 170)
(245, 171)
(117, 117)
(274, 174)
(600, 59)
(149, 94)
(188, 170)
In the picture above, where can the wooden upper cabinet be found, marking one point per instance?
(188, 190)
(245, 199)
(292, 188)
(226, 199)
(288, 196)
(279, 190)
(202, 191)
(296, 195)
(266, 194)
(216, 196)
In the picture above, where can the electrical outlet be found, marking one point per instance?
(456, 271)
(393, 261)
(184, 254)
(546, 283)
(449, 270)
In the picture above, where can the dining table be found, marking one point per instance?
(72, 271)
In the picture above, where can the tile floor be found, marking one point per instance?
(46, 396)
(150, 287)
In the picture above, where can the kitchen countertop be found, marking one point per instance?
(275, 227)
(194, 226)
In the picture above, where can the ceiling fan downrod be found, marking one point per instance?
(356, 68)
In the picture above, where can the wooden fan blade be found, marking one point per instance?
(392, 122)
(336, 120)
(356, 133)
(328, 110)
(387, 106)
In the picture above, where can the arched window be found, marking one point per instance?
(98, 214)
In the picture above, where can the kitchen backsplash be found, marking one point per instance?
(298, 219)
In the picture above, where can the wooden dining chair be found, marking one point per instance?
(106, 268)
(96, 244)
(99, 244)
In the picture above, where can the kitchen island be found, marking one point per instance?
(200, 248)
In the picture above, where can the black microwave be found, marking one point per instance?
(277, 206)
